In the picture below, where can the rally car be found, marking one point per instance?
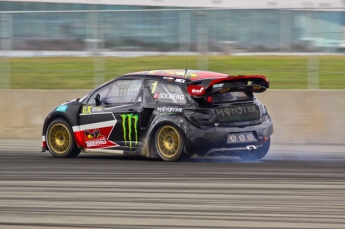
(167, 114)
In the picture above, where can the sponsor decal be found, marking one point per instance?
(196, 90)
(94, 138)
(186, 74)
(241, 137)
(62, 108)
(86, 110)
(168, 96)
(164, 72)
(96, 109)
(168, 78)
(90, 109)
(229, 111)
(130, 126)
(169, 110)
(93, 134)
(180, 80)
(98, 131)
(176, 73)
(256, 88)
(238, 113)
(224, 90)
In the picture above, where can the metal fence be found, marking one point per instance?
(175, 32)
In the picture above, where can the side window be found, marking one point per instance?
(120, 91)
(166, 93)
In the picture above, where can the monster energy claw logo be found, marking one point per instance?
(130, 121)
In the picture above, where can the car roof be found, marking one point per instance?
(192, 75)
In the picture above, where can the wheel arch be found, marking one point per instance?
(53, 117)
(152, 132)
(72, 149)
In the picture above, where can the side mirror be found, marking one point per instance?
(98, 100)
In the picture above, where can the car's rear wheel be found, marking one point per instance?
(256, 154)
(169, 143)
(60, 139)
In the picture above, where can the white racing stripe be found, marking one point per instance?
(107, 151)
(94, 125)
(117, 106)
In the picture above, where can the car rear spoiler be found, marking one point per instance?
(249, 83)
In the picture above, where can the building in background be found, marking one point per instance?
(174, 25)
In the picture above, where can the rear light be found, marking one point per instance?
(196, 90)
(264, 113)
(209, 99)
(263, 110)
(262, 140)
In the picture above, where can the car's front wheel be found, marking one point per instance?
(256, 154)
(60, 139)
(169, 143)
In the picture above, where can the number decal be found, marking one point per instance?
(154, 87)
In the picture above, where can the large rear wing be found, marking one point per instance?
(246, 83)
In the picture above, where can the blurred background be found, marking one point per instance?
(56, 50)
(58, 44)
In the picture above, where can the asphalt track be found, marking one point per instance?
(289, 189)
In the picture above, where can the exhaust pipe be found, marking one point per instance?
(251, 148)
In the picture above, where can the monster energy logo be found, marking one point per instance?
(132, 121)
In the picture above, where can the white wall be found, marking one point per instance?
(299, 116)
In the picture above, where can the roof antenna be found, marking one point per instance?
(185, 72)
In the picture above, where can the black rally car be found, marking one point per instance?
(171, 114)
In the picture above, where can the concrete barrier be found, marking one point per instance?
(299, 116)
(23, 111)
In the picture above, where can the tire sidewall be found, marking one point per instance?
(69, 152)
(181, 145)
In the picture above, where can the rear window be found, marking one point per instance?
(167, 93)
(231, 97)
(225, 95)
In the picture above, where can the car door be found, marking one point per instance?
(114, 122)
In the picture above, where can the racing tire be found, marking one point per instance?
(257, 154)
(169, 143)
(60, 139)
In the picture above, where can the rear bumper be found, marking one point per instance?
(215, 139)
(231, 151)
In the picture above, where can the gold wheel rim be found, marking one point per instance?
(59, 138)
(168, 141)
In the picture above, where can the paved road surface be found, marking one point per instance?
(300, 189)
